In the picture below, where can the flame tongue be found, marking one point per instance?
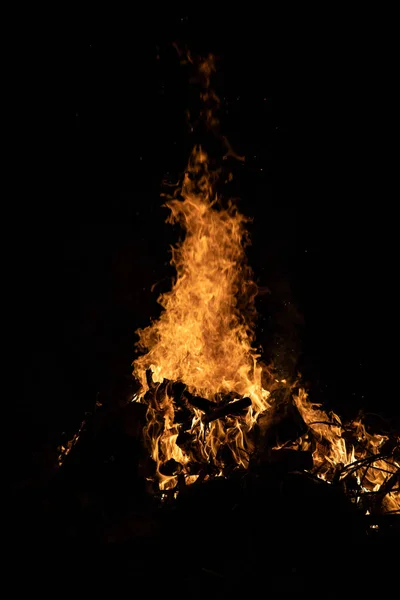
(201, 337)
(204, 336)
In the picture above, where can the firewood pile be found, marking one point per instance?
(283, 440)
(283, 444)
(274, 522)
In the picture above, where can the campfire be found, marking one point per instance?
(213, 409)
(212, 405)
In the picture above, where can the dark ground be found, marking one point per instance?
(314, 109)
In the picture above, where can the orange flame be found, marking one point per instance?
(204, 336)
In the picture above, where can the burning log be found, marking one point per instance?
(179, 392)
(226, 404)
(218, 410)
(200, 403)
(232, 408)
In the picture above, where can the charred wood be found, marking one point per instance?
(282, 424)
(200, 403)
(232, 408)
(290, 460)
(171, 467)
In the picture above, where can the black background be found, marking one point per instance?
(313, 107)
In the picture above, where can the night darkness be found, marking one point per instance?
(312, 109)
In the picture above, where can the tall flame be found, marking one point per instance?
(204, 336)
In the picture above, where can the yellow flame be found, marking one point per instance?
(204, 336)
